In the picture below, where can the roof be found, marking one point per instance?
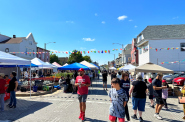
(12, 41)
(43, 49)
(163, 32)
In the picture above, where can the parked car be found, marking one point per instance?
(179, 80)
(169, 79)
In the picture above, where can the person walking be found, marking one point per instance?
(82, 82)
(139, 90)
(157, 86)
(125, 84)
(104, 80)
(12, 88)
(165, 93)
(2, 91)
(150, 89)
(118, 98)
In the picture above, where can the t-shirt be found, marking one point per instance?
(68, 81)
(139, 90)
(118, 98)
(113, 76)
(150, 89)
(12, 84)
(83, 80)
(2, 86)
(157, 83)
(104, 76)
(7, 81)
(125, 85)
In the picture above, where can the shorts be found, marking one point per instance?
(159, 100)
(82, 98)
(138, 103)
(113, 118)
(105, 82)
(151, 97)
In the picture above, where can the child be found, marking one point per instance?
(165, 93)
(119, 100)
(150, 89)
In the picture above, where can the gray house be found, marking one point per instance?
(127, 54)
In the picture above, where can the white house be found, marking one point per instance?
(19, 44)
(160, 38)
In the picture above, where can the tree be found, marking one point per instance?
(76, 56)
(54, 58)
(87, 58)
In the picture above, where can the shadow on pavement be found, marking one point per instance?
(100, 85)
(23, 108)
(97, 92)
(175, 110)
(169, 120)
(94, 120)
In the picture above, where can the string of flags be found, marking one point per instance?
(102, 51)
(173, 62)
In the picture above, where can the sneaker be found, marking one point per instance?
(134, 117)
(13, 106)
(158, 116)
(141, 119)
(152, 106)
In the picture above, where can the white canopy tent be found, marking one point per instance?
(112, 68)
(65, 64)
(89, 65)
(53, 66)
(127, 67)
(41, 64)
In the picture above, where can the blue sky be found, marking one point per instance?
(72, 23)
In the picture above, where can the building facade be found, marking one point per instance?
(134, 53)
(42, 56)
(22, 46)
(127, 54)
(63, 60)
(163, 45)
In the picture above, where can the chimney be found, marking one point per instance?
(14, 36)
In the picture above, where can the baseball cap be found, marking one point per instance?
(150, 80)
(164, 81)
(81, 70)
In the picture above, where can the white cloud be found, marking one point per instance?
(130, 20)
(135, 26)
(122, 17)
(82, 48)
(69, 22)
(175, 17)
(96, 14)
(103, 22)
(93, 50)
(88, 39)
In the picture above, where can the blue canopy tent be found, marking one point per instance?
(32, 65)
(95, 65)
(74, 66)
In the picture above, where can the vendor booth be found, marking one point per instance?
(92, 67)
(74, 66)
(112, 68)
(8, 59)
(127, 67)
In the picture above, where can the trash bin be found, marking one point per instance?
(35, 88)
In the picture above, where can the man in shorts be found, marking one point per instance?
(83, 82)
(157, 86)
(104, 79)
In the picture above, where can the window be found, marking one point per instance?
(33, 53)
(47, 58)
(145, 48)
(42, 55)
(39, 56)
(182, 46)
(30, 43)
(26, 51)
(30, 52)
(140, 51)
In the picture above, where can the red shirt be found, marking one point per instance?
(83, 80)
(7, 81)
(2, 86)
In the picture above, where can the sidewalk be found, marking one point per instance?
(64, 107)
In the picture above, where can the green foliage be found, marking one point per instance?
(87, 58)
(54, 58)
(75, 57)
(64, 74)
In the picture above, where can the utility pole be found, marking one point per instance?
(122, 53)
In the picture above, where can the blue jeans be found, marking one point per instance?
(2, 101)
(138, 103)
(12, 98)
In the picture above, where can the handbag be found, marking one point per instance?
(181, 100)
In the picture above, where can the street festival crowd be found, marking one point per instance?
(121, 91)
